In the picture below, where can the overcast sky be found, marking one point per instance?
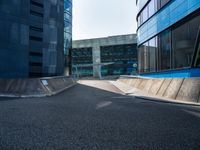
(100, 18)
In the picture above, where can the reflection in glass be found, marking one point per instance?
(146, 57)
(152, 54)
(163, 2)
(145, 14)
(165, 50)
(198, 57)
(152, 7)
(67, 33)
(67, 26)
(141, 59)
(183, 41)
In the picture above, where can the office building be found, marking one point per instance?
(67, 33)
(32, 37)
(116, 55)
(168, 38)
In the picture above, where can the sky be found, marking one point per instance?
(101, 18)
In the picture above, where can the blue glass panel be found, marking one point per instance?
(67, 26)
(185, 73)
(67, 4)
(169, 15)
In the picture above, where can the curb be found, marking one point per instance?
(155, 99)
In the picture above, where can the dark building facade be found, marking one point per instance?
(120, 50)
(67, 33)
(31, 38)
(168, 38)
(83, 56)
(123, 56)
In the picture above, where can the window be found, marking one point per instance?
(152, 48)
(146, 57)
(35, 38)
(163, 2)
(183, 41)
(158, 4)
(34, 13)
(36, 29)
(35, 53)
(198, 57)
(152, 7)
(39, 64)
(144, 14)
(147, 12)
(37, 4)
(141, 59)
(165, 50)
(139, 20)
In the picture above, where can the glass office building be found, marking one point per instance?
(32, 34)
(67, 32)
(123, 56)
(82, 56)
(168, 38)
(120, 51)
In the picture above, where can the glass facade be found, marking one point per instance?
(153, 47)
(141, 3)
(67, 30)
(167, 16)
(165, 50)
(148, 56)
(150, 9)
(115, 59)
(31, 41)
(123, 57)
(198, 57)
(168, 38)
(82, 56)
(184, 38)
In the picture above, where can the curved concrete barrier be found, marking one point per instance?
(190, 90)
(173, 88)
(156, 85)
(36, 87)
(163, 87)
(184, 89)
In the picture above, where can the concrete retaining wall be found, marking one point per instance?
(184, 89)
(163, 87)
(34, 87)
(190, 90)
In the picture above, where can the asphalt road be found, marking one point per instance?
(88, 118)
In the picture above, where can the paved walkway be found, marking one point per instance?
(93, 116)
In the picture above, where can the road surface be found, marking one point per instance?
(93, 115)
